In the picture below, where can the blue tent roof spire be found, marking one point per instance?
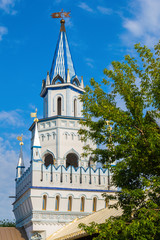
(62, 60)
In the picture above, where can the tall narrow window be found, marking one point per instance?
(75, 107)
(57, 203)
(94, 204)
(70, 203)
(44, 204)
(42, 138)
(82, 204)
(59, 103)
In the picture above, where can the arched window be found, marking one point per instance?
(48, 159)
(72, 159)
(59, 103)
(70, 203)
(44, 203)
(54, 135)
(42, 138)
(72, 136)
(75, 107)
(57, 203)
(94, 209)
(82, 204)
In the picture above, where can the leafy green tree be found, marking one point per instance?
(133, 141)
(7, 223)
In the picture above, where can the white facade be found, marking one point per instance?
(60, 185)
(59, 137)
(68, 94)
(39, 181)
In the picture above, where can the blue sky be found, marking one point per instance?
(98, 32)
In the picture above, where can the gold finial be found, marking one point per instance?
(19, 138)
(61, 15)
(34, 115)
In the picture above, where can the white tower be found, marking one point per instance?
(20, 165)
(36, 147)
(60, 185)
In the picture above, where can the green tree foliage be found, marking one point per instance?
(133, 142)
(7, 223)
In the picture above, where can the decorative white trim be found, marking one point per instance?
(72, 151)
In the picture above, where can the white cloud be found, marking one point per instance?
(11, 118)
(144, 25)
(8, 162)
(104, 10)
(3, 31)
(85, 7)
(89, 62)
(68, 22)
(13, 136)
(7, 6)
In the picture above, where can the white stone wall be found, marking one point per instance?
(50, 220)
(59, 136)
(68, 92)
(90, 178)
(23, 183)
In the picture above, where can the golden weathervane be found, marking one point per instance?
(61, 14)
(19, 138)
(34, 115)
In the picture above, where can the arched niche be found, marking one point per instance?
(48, 159)
(71, 160)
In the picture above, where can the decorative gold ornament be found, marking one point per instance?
(19, 138)
(61, 14)
(34, 115)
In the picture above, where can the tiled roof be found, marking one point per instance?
(11, 233)
(71, 230)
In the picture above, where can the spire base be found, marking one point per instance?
(62, 29)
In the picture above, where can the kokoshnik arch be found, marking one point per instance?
(60, 185)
